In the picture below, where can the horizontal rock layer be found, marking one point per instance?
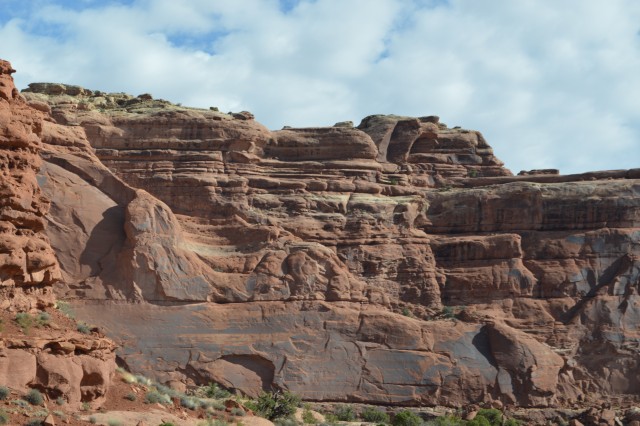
(396, 262)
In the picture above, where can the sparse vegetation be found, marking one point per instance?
(345, 413)
(237, 411)
(21, 403)
(216, 392)
(154, 397)
(277, 405)
(34, 397)
(93, 420)
(131, 396)
(34, 422)
(448, 420)
(406, 312)
(406, 418)
(65, 308)
(83, 328)
(4, 417)
(4, 393)
(373, 415)
(24, 321)
(113, 422)
(60, 400)
(308, 417)
(449, 312)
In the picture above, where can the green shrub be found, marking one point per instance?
(189, 403)
(131, 396)
(85, 406)
(277, 405)
(24, 321)
(406, 418)
(113, 422)
(21, 403)
(65, 309)
(167, 424)
(479, 421)
(286, 421)
(4, 393)
(34, 397)
(93, 420)
(512, 422)
(345, 413)
(42, 319)
(492, 415)
(153, 397)
(308, 417)
(237, 411)
(60, 400)
(373, 415)
(216, 392)
(4, 417)
(83, 328)
(449, 312)
(448, 420)
(34, 422)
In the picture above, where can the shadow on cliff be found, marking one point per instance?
(105, 242)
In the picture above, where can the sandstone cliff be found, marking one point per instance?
(58, 360)
(393, 263)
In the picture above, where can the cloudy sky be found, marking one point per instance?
(550, 83)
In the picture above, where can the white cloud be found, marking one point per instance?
(550, 84)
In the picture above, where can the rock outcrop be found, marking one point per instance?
(59, 361)
(396, 262)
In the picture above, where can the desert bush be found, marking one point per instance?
(34, 422)
(189, 403)
(213, 390)
(373, 415)
(4, 393)
(34, 397)
(42, 319)
(512, 422)
(406, 418)
(131, 396)
(65, 309)
(24, 321)
(83, 328)
(492, 415)
(448, 420)
(308, 417)
(277, 405)
(237, 411)
(60, 400)
(479, 421)
(153, 397)
(345, 413)
(4, 417)
(286, 421)
(21, 403)
(113, 422)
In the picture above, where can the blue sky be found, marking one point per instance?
(550, 84)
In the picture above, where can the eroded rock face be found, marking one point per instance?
(29, 269)
(395, 262)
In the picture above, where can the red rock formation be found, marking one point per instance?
(63, 363)
(397, 262)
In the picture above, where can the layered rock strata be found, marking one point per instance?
(65, 363)
(395, 263)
